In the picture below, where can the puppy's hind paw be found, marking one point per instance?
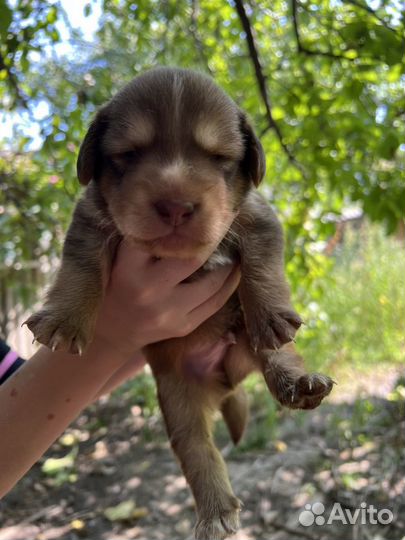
(218, 528)
(221, 523)
(309, 390)
(58, 332)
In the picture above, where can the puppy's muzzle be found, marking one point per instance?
(175, 212)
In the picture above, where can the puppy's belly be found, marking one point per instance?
(204, 362)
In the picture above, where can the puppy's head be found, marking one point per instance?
(173, 157)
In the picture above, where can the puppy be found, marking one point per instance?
(172, 164)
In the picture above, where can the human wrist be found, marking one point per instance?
(108, 349)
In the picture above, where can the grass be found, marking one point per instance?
(359, 321)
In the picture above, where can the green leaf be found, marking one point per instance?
(5, 19)
(53, 466)
(125, 511)
(388, 145)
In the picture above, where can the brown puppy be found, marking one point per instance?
(171, 163)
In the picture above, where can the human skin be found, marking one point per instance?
(145, 302)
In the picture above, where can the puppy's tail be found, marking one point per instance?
(235, 410)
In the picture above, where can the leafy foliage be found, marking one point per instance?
(357, 321)
(25, 29)
(325, 92)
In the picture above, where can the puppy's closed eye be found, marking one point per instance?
(128, 155)
(122, 160)
(220, 158)
(224, 162)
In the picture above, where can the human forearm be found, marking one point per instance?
(127, 371)
(42, 399)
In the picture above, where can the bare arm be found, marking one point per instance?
(127, 371)
(41, 399)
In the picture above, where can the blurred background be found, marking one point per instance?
(324, 84)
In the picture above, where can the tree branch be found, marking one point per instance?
(310, 52)
(372, 12)
(261, 81)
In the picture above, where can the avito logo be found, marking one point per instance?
(314, 514)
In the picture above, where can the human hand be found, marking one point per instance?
(146, 302)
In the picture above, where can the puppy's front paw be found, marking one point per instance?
(271, 328)
(308, 391)
(59, 331)
(221, 524)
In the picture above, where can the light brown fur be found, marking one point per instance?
(172, 135)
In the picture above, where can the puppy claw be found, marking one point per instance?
(59, 334)
(271, 329)
(56, 342)
(292, 394)
(310, 389)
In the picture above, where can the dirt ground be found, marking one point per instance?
(348, 452)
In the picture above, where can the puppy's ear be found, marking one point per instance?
(254, 161)
(89, 154)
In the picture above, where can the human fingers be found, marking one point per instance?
(192, 294)
(133, 263)
(173, 270)
(129, 262)
(216, 300)
(169, 272)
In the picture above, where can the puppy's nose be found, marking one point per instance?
(175, 212)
